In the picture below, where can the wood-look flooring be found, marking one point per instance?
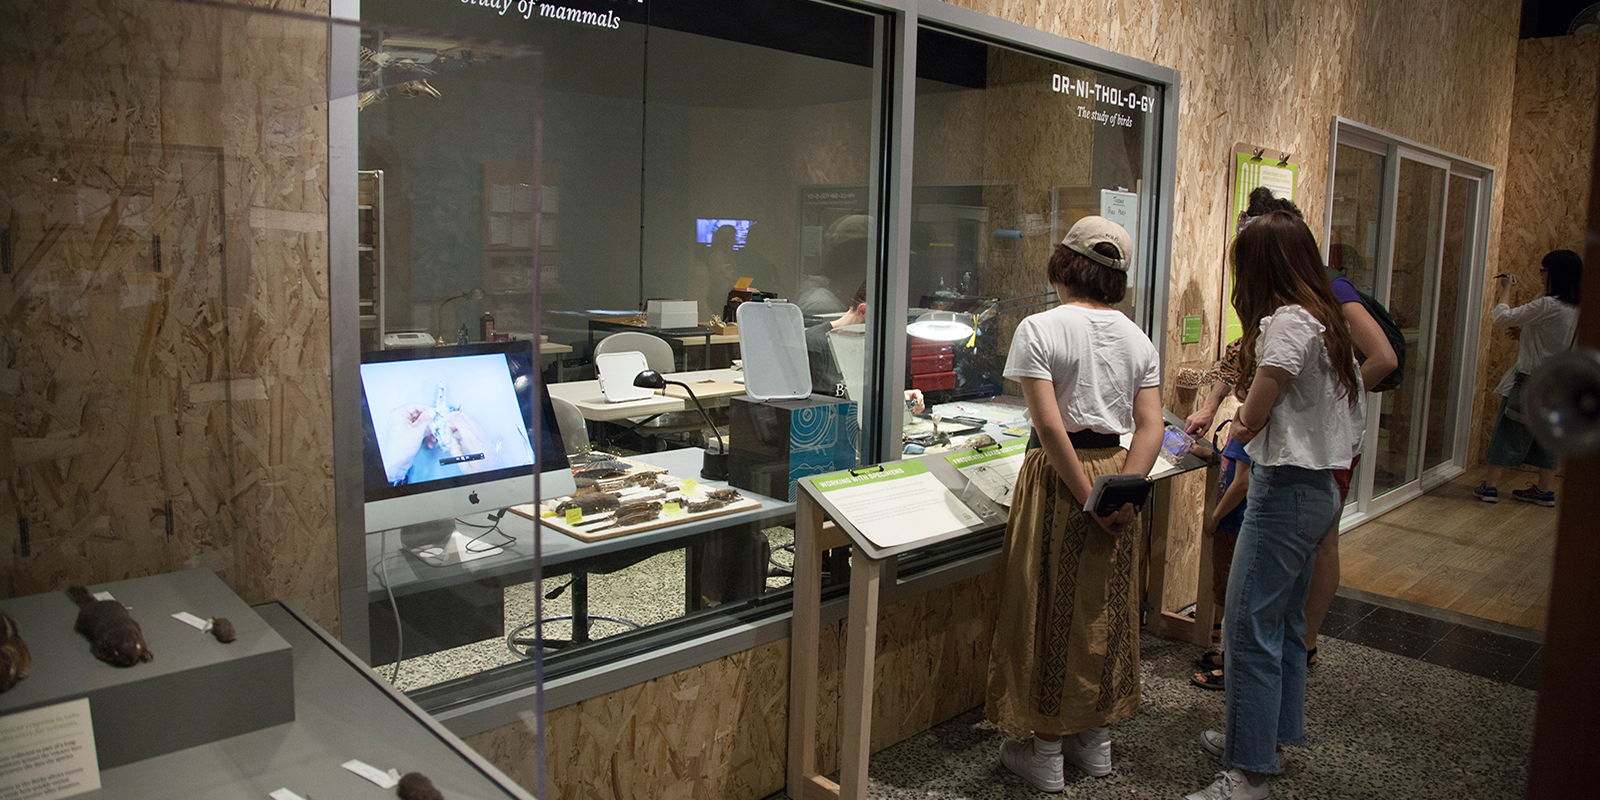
(1449, 550)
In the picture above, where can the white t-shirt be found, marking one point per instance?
(1097, 359)
(1547, 326)
(1313, 425)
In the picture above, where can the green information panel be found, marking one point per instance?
(1191, 329)
(1250, 171)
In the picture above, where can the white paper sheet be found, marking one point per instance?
(993, 470)
(48, 752)
(896, 504)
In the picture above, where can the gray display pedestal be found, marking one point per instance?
(195, 691)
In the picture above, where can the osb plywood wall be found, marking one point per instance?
(166, 338)
(1546, 189)
(1273, 74)
(721, 729)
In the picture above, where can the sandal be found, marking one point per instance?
(1210, 679)
(1210, 659)
(1311, 657)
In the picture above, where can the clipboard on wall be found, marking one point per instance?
(1251, 166)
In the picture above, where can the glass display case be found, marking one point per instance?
(545, 178)
(618, 180)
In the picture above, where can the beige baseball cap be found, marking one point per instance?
(1090, 231)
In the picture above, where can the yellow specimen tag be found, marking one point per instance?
(671, 509)
(574, 516)
(689, 486)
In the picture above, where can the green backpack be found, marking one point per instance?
(1391, 329)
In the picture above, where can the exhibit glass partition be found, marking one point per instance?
(543, 178)
(164, 240)
(167, 215)
(1012, 147)
(612, 187)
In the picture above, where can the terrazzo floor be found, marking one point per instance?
(1380, 724)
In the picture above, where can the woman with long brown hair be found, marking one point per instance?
(1301, 420)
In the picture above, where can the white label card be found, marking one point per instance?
(48, 752)
(384, 780)
(199, 624)
(284, 794)
(103, 596)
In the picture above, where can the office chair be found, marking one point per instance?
(573, 428)
(522, 640)
(659, 357)
(657, 353)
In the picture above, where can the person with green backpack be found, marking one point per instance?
(1380, 348)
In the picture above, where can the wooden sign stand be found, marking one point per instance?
(813, 536)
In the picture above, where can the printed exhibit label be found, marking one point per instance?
(48, 753)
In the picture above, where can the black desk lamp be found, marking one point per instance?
(715, 466)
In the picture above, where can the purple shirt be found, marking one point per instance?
(1344, 291)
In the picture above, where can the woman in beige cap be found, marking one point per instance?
(1065, 662)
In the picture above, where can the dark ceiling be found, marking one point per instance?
(1541, 18)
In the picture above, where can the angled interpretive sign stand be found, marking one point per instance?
(878, 511)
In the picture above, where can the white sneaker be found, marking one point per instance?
(1089, 751)
(1042, 772)
(1214, 741)
(1232, 785)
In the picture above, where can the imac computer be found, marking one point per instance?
(451, 431)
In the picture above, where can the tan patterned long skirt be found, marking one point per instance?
(1066, 645)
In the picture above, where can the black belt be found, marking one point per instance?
(1083, 440)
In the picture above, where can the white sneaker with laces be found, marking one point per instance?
(1213, 742)
(1042, 771)
(1232, 785)
(1089, 751)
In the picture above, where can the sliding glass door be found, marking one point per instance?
(1404, 223)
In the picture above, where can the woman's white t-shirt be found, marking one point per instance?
(1313, 425)
(1097, 359)
(1547, 325)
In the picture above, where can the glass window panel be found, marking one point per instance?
(1357, 196)
(1445, 384)
(555, 177)
(1413, 281)
(1012, 148)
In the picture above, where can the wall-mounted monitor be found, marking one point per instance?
(705, 230)
(450, 431)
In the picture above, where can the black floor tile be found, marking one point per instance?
(1494, 642)
(1335, 623)
(1528, 678)
(1399, 641)
(1405, 620)
(1350, 607)
(1471, 660)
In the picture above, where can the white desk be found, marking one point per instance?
(592, 403)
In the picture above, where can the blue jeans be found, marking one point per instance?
(1289, 511)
